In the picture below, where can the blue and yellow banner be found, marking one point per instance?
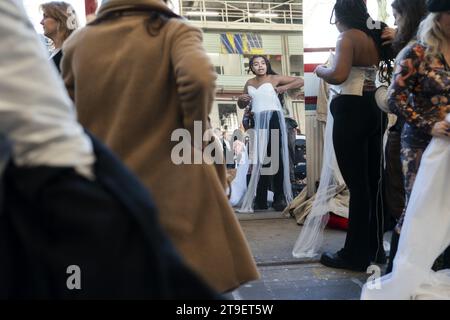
(241, 43)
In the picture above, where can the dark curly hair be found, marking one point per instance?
(353, 14)
(412, 13)
(269, 71)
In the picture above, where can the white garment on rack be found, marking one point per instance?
(239, 183)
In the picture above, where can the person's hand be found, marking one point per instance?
(281, 89)
(318, 69)
(388, 35)
(441, 129)
(245, 98)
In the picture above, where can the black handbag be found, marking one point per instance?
(248, 121)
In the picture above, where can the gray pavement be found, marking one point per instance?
(271, 238)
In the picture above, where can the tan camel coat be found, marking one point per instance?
(132, 90)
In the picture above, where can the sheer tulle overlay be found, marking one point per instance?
(311, 235)
(425, 234)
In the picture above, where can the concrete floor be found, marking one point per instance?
(283, 277)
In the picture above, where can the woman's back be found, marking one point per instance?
(365, 51)
(128, 85)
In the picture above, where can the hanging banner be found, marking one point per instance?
(90, 8)
(241, 43)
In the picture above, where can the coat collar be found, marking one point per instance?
(109, 6)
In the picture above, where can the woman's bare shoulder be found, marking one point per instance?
(356, 35)
(272, 78)
(250, 82)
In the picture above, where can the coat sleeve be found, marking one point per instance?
(195, 76)
(402, 93)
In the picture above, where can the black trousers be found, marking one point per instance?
(357, 137)
(278, 178)
(394, 188)
(52, 218)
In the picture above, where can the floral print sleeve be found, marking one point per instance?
(405, 98)
(420, 90)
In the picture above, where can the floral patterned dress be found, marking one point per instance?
(420, 95)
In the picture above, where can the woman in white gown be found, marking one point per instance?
(268, 149)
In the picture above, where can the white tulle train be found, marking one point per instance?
(425, 234)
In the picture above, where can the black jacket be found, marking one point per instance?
(57, 60)
(52, 219)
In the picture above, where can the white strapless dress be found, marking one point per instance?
(264, 98)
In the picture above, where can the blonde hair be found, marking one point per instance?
(431, 34)
(64, 14)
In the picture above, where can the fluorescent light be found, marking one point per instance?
(203, 13)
